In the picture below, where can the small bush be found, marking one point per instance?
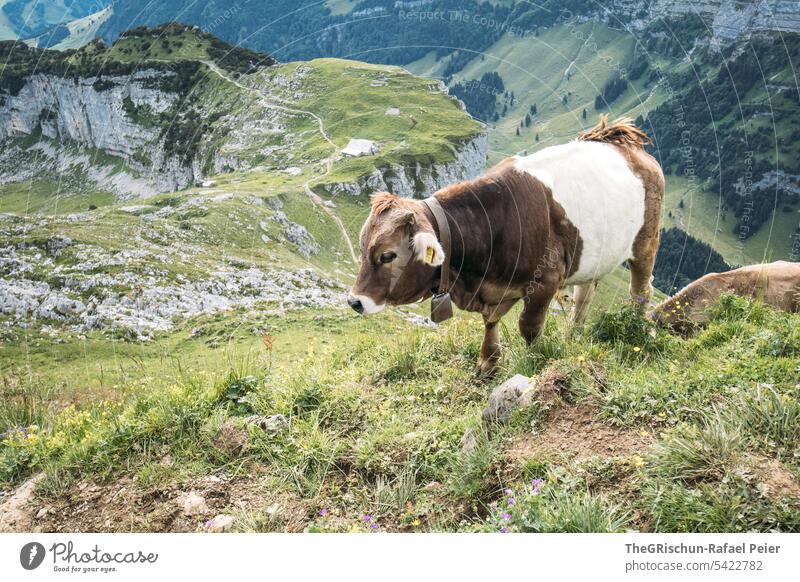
(631, 333)
(237, 391)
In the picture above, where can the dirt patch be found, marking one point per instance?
(14, 515)
(774, 479)
(576, 432)
(121, 506)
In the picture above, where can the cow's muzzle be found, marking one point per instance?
(356, 304)
(363, 304)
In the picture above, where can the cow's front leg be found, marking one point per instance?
(490, 348)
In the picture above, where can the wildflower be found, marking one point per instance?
(506, 516)
(367, 518)
(512, 502)
(637, 349)
(503, 530)
(374, 526)
(537, 485)
(415, 523)
(323, 512)
(637, 461)
(508, 491)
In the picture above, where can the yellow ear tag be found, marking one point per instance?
(429, 255)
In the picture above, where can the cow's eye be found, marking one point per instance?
(388, 257)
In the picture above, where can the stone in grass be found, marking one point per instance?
(193, 504)
(231, 438)
(505, 399)
(274, 423)
(220, 523)
(469, 442)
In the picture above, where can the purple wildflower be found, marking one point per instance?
(323, 512)
(536, 484)
(374, 526)
(367, 518)
(506, 516)
(503, 530)
(512, 502)
(508, 491)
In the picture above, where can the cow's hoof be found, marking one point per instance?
(486, 368)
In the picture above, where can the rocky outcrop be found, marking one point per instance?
(727, 19)
(98, 113)
(418, 180)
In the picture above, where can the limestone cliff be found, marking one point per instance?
(417, 180)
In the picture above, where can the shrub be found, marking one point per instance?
(631, 333)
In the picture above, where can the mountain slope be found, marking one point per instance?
(170, 175)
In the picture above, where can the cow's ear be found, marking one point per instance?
(408, 217)
(427, 249)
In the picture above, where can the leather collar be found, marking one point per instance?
(444, 239)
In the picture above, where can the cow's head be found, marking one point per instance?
(399, 255)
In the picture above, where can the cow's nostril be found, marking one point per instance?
(356, 304)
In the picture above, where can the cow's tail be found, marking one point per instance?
(622, 132)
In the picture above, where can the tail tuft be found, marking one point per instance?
(621, 132)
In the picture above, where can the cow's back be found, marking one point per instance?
(602, 197)
(777, 283)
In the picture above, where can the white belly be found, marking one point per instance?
(602, 197)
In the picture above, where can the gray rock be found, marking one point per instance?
(56, 244)
(469, 442)
(220, 523)
(68, 307)
(274, 423)
(193, 504)
(231, 439)
(505, 399)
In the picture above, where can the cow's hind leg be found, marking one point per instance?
(583, 300)
(531, 320)
(642, 274)
(645, 245)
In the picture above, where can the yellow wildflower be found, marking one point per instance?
(637, 461)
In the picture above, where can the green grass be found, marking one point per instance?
(352, 99)
(702, 217)
(377, 410)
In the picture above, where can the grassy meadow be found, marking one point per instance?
(632, 428)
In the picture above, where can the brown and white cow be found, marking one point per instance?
(776, 284)
(566, 215)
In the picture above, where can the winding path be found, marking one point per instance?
(328, 162)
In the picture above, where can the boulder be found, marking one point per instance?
(505, 399)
